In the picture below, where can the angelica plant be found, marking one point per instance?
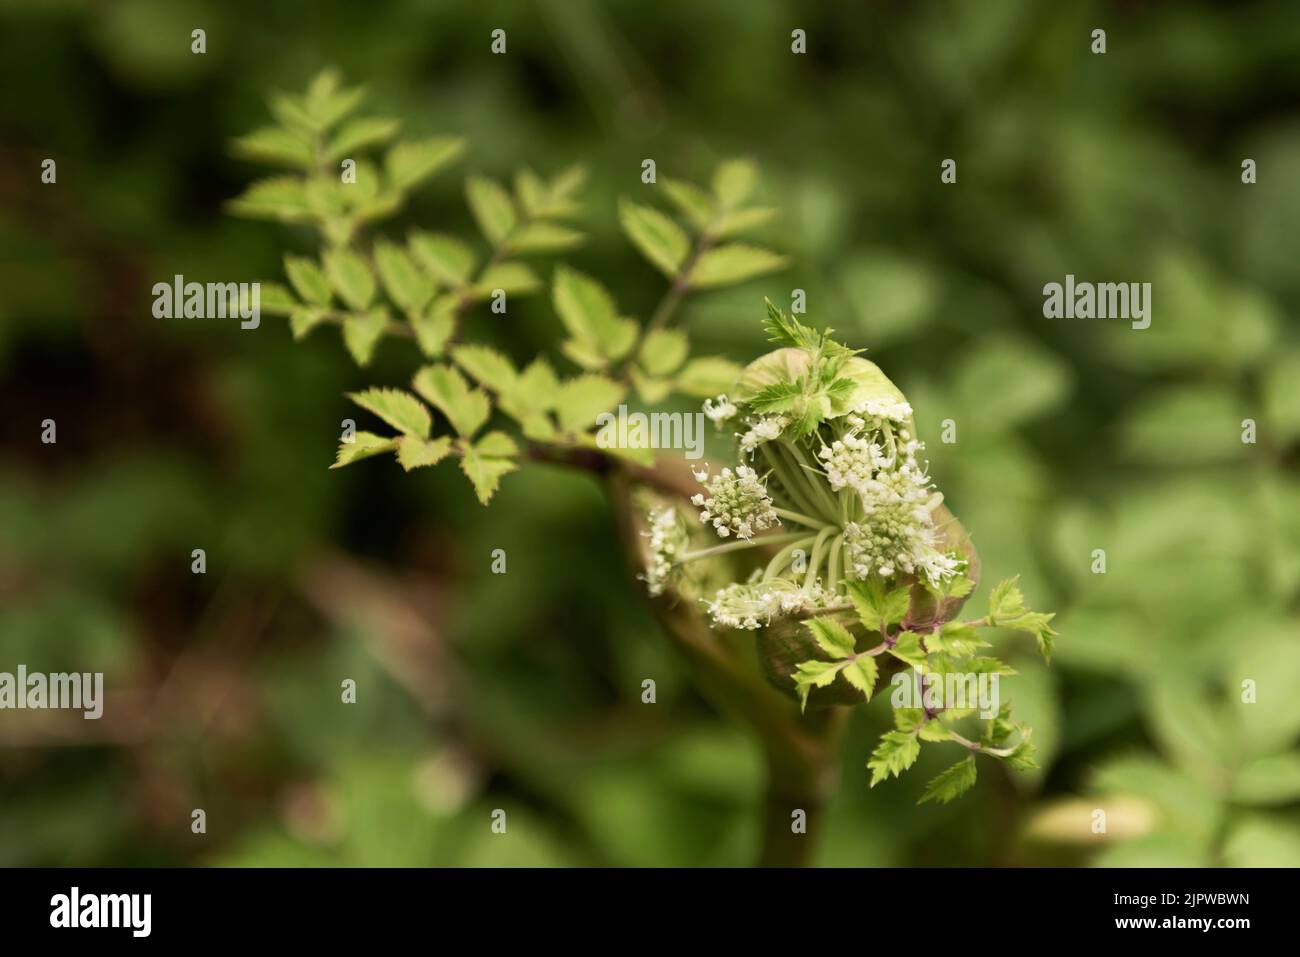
(791, 579)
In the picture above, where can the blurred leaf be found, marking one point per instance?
(1004, 382)
(446, 389)
(406, 285)
(733, 263)
(1189, 425)
(663, 351)
(349, 274)
(399, 409)
(492, 208)
(580, 400)
(655, 236)
(449, 260)
(409, 162)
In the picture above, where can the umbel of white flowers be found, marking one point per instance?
(830, 455)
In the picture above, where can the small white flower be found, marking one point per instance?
(753, 604)
(764, 430)
(893, 411)
(719, 410)
(668, 540)
(735, 502)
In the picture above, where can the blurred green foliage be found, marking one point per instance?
(522, 691)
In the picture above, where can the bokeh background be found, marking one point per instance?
(522, 691)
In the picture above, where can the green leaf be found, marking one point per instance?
(362, 332)
(743, 220)
(663, 351)
(695, 203)
(487, 366)
(655, 236)
(876, 607)
(497, 444)
(276, 300)
(326, 103)
(578, 401)
(778, 397)
(953, 783)
(544, 237)
(1007, 610)
(907, 647)
(512, 278)
(814, 674)
(306, 318)
(537, 385)
(1191, 425)
(399, 409)
(485, 471)
(446, 389)
(363, 446)
(434, 325)
(896, 753)
(1274, 779)
(956, 638)
(707, 376)
(308, 280)
(832, 637)
(733, 263)
(1281, 397)
(275, 145)
(734, 182)
(448, 260)
(861, 673)
(282, 198)
(408, 163)
(349, 274)
(492, 208)
(407, 286)
(589, 314)
(414, 453)
(361, 134)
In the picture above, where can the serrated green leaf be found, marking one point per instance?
(814, 674)
(487, 367)
(861, 673)
(446, 389)
(578, 401)
(492, 208)
(952, 783)
(363, 446)
(956, 638)
(652, 390)
(733, 263)
(496, 444)
(655, 236)
(409, 162)
(362, 332)
(537, 385)
(734, 182)
(361, 134)
(896, 752)
(399, 409)
(1007, 610)
(876, 607)
(907, 647)
(349, 275)
(414, 453)
(485, 472)
(832, 637)
(275, 145)
(308, 280)
(407, 285)
(448, 260)
(707, 376)
(663, 351)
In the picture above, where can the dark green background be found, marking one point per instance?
(521, 691)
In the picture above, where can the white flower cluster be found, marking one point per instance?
(894, 411)
(898, 533)
(764, 430)
(751, 605)
(719, 410)
(851, 462)
(668, 540)
(736, 502)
